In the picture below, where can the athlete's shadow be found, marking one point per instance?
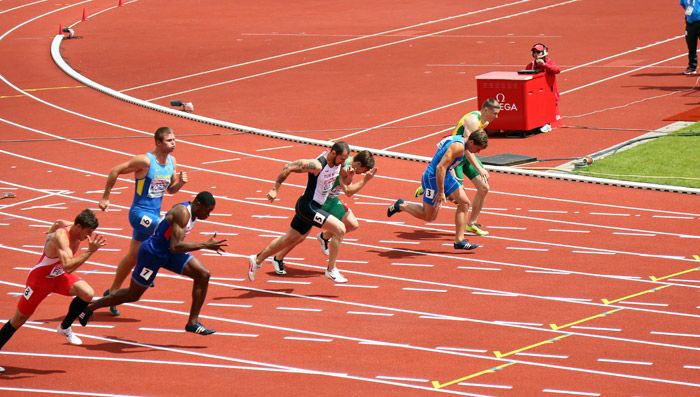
(250, 294)
(430, 237)
(102, 315)
(422, 234)
(116, 347)
(403, 253)
(125, 346)
(17, 373)
(268, 293)
(295, 272)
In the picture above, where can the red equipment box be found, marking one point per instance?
(527, 101)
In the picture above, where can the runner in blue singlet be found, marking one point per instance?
(168, 249)
(438, 184)
(155, 173)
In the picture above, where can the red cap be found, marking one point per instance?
(538, 47)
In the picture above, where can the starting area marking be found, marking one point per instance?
(498, 354)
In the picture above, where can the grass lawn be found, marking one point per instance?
(673, 159)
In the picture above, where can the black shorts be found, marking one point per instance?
(308, 214)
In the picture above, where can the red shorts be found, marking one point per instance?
(39, 288)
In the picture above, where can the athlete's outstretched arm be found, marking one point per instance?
(138, 163)
(311, 166)
(178, 217)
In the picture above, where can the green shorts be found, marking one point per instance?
(335, 207)
(470, 172)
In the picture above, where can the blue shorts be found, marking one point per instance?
(144, 224)
(429, 183)
(147, 265)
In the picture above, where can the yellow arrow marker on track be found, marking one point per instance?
(499, 354)
(697, 258)
(437, 384)
(555, 327)
(607, 302)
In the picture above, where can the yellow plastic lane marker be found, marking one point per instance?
(697, 258)
(556, 327)
(544, 342)
(607, 302)
(438, 385)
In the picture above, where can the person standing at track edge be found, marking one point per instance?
(438, 183)
(322, 173)
(167, 249)
(155, 173)
(542, 61)
(471, 166)
(692, 32)
(54, 273)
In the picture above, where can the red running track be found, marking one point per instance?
(558, 301)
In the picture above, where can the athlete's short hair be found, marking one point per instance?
(205, 198)
(87, 219)
(365, 158)
(161, 132)
(479, 137)
(340, 147)
(491, 104)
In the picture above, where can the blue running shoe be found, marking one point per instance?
(112, 309)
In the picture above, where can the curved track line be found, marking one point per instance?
(324, 46)
(366, 49)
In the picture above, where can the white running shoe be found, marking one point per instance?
(278, 265)
(336, 276)
(253, 267)
(68, 333)
(2, 369)
(324, 243)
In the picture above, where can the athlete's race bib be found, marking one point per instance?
(319, 218)
(56, 271)
(158, 187)
(28, 293)
(146, 221)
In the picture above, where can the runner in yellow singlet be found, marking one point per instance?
(471, 166)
